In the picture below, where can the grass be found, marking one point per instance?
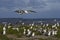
(21, 29)
(3, 37)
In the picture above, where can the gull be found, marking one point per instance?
(25, 11)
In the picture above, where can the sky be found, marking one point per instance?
(44, 8)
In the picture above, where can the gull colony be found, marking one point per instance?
(42, 29)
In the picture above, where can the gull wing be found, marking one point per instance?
(20, 11)
(17, 11)
(31, 11)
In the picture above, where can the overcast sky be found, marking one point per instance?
(44, 8)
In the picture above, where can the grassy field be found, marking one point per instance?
(18, 35)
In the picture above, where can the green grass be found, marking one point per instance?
(3, 37)
(21, 29)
